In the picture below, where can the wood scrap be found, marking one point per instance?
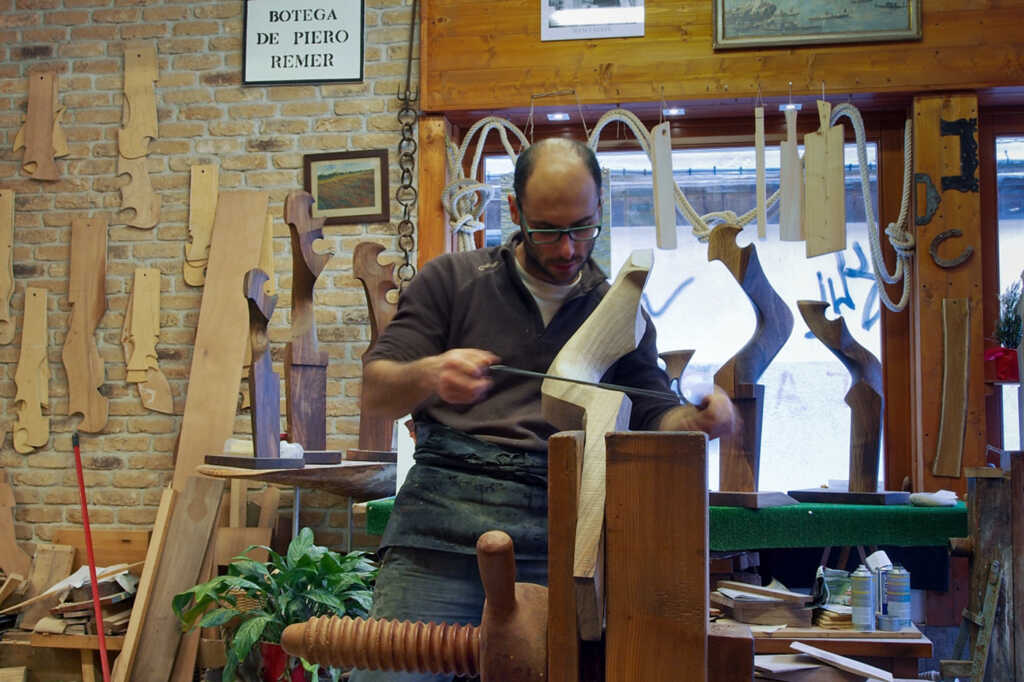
(110, 547)
(843, 663)
(799, 668)
(766, 612)
(50, 565)
(956, 354)
(202, 205)
(139, 335)
(11, 584)
(14, 674)
(32, 429)
(41, 135)
(6, 265)
(759, 172)
(216, 369)
(824, 187)
(14, 561)
(87, 295)
(782, 595)
(791, 184)
(139, 112)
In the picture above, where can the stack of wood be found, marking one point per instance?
(75, 614)
(834, 617)
(756, 605)
(815, 665)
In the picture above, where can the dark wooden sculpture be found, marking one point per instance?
(305, 368)
(264, 382)
(375, 433)
(510, 643)
(865, 401)
(741, 452)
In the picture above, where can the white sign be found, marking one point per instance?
(303, 41)
(589, 19)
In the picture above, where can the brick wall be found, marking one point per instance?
(257, 136)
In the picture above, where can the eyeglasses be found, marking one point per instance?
(583, 233)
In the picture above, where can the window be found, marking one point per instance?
(696, 304)
(1010, 182)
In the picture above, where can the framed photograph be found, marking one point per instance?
(317, 41)
(770, 23)
(348, 187)
(589, 19)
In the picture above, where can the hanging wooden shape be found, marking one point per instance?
(140, 74)
(791, 184)
(41, 135)
(762, 195)
(138, 195)
(305, 368)
(202, 203)
(32, 429)
(824, 197)
(375, 433)
(664, 186)
(139, 336)
(88, 298)
(6, 264)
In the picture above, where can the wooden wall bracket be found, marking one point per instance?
(305, 369)
(375, 433)
(139, 335)
(88, 298)
(32, 429)
(41, 135)
(6, 265)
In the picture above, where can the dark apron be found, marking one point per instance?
(461, 487)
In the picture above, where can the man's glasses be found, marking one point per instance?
(583, 233)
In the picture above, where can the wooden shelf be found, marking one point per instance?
(359, 480)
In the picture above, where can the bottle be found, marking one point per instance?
(897, 592)
(862, 598)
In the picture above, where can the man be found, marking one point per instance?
(481, 441)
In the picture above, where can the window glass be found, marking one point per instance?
(698, 305)
(1010, 180)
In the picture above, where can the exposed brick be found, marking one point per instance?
(269, 144)
(115, 16)
(32, 52)
(198, 62)
(196, 28)
(143, 31)
(231, 128)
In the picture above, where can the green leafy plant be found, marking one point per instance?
(255, 601)
(1008, 329)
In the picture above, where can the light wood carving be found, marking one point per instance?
(41, 135)
(210, 405)
(956, 353)
(32, 430)
(740, 453)
(264, 383)
(824, 189)
(664, 186)
(675, 364)
(13, 559)
(6, 264)
(139, 336)
(791, 184)
(88, 298)
(864, 397)
(138, 195)
(202, 203)
(139, 116)
(761, 191)
(305, 369)
(375, 433)
(612, 330)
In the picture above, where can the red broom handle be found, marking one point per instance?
(92, 561)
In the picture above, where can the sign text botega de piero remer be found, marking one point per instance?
(305, 41)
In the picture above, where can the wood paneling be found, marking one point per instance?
(474, 58)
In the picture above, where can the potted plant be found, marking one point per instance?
(1001, 361)
(255, 601)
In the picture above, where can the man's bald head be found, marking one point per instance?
(558, 147)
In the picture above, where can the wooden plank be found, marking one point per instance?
(657, 580)
(434, 236)
(184, 668)
(949, 156)
(565, 451)
(843, 663)
(824, 189)
(32, 429)
(730, 653)
(791, 184)
(956, 359)
(6, 265)
(191, 524)
(360, 480)
(202, 206)
(88, 298)
(774, 612)
(664, 186)
(51, 564)
(12, 583)
(118, 546)
(784, 595)
(41, 639)
(216, 370)
(37, 135)
(760, 189)
(233, 541)
(841, 634)
(13, 559)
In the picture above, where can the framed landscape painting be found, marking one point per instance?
(348, 187)
(769, 23)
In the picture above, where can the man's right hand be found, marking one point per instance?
(462, 376)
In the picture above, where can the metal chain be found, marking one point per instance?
(406, 193)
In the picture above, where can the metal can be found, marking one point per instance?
(862, 598)
(881, 581)
(897, 595)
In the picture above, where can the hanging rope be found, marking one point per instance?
(901, 238)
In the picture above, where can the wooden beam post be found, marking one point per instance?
(947, 265)
(434, 237)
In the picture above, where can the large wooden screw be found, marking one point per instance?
(509, 644)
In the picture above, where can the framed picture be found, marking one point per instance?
(318, 41)
(589, 19)
(348, 187)
(764, 23)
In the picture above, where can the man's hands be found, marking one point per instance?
(461, 375)
(715, 416)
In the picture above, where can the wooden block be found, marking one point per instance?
(12, 583)
(51, 564)
(140, 74)
(761, 499)
(88, 298)
(791, 184)
(657, 581)
(90, 642)
(120, 546)
(843, 663)
(220, 338)
(32, 429)
(730, 653)
(191, 524)
(18, 674)
(757, 612)
(824, 188)
(202, 205)
(123, 665)
(6, 264)
(664, 186)
(565, 450)
(956, 343)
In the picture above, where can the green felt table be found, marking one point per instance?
(802, 525)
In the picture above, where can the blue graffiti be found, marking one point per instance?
(871, 313)
(646, 302)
